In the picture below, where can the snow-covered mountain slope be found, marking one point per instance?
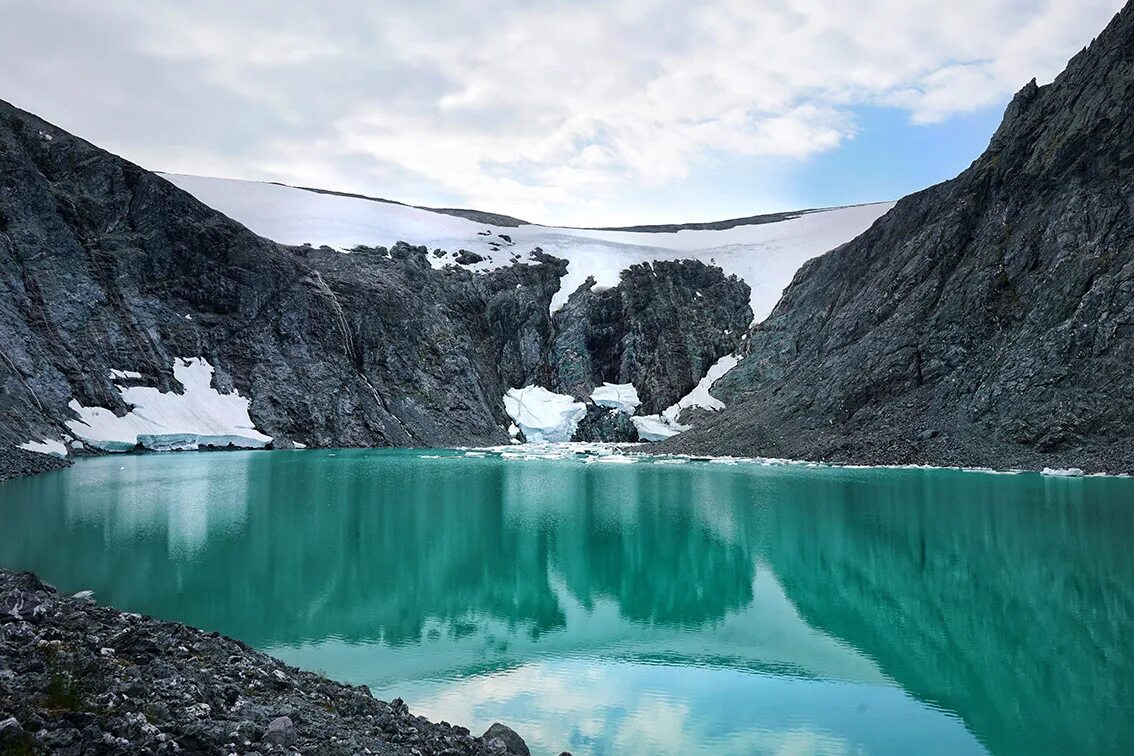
(765, 255)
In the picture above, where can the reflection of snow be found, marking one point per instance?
(187, 502)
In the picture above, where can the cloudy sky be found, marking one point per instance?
(582, 112)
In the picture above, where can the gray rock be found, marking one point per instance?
(661, 329)
(996, 308)
(10, 730)
(198, 693)
(281, 731)
(512, 742)
(605, 424)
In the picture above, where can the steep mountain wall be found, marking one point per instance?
(107, 267)
(988, 320)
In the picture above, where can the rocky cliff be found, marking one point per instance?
(987, 321)
(107, 267)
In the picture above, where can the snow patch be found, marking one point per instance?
(47, 446)
(700, 396)
(656, 427)
(622, 397)
(765, 255)
(667, 424)
(201, 416)
(118, 375)
(544, 415)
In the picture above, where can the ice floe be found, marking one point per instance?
(1069, 472)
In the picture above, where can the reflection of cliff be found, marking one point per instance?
(649, 551)
(980, 595)
(278, 549)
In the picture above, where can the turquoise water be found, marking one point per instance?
(633, 608)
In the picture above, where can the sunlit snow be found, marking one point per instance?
(667, 424)
(765, 255)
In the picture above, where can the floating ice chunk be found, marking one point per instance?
(1070, 472)
(543, 415)
(298, 445)
(47, 446)
(656, 427)
(201, 416)
(619, 396)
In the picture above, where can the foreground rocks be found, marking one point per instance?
(78, 678)
(986, 321)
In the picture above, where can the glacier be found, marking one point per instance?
(765, 255)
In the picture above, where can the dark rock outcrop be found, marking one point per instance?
(605, 424)
(104, 265)
(661, 329)
(988, 320)
(17, 463)
(76, 677)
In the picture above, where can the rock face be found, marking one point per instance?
(661, 329)
(988, 320)
(105, 266)
(80, 678)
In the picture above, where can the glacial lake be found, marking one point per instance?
(645, 608)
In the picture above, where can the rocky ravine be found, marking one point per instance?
(986, 321)
(76, 678)
(105, 266)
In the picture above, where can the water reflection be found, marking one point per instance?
(642, 607)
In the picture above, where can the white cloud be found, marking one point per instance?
(519, 106)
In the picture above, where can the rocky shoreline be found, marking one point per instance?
(79, 678)
(18, 463)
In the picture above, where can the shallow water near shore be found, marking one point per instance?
(632, 608)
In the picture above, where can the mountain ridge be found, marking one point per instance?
(986, 321)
